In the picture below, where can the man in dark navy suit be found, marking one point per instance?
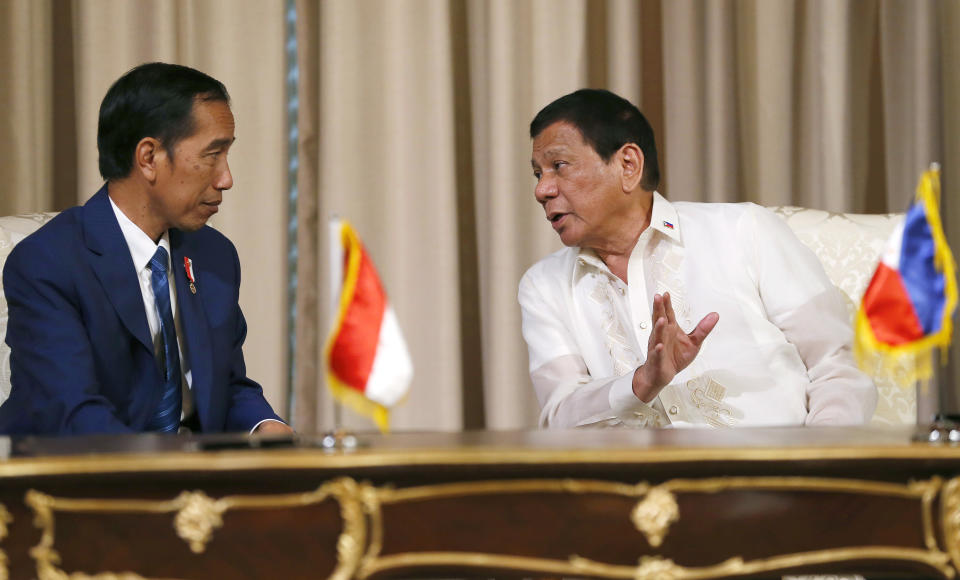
(123, 312)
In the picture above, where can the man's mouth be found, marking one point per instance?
(212, 206)
(557, 219)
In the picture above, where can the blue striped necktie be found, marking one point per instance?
(167, 416)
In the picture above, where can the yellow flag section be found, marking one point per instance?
(907, 309)
(368, 365)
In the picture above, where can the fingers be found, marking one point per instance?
(668, 308)
(704, 327)
(657, 333)
(657, 308)
(653, 354)
(648, 380)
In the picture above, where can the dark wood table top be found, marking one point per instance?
(32, 456)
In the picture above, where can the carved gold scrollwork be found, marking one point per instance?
(370, 500)
(950, 516)
(196, 517)
(659, 510)
(657, 568)
(655, 511)
(654, 515)
(352, 542)
(359, 546)
(5, 520)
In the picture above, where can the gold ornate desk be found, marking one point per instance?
(603, 504)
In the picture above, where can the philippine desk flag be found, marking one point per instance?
(908, 306)
(368, 365)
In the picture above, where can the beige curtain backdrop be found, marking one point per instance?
(414, 126)
(57, 59)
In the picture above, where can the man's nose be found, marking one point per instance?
(225, 179)
(546, 188)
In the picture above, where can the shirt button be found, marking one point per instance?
(643, 325)
(674, 410)
(621, 290)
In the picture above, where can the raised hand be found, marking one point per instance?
(669, 349)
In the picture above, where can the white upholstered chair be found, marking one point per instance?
(849, 246)
(12, 230)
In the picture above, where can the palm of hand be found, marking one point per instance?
(679, 350)
(669, 348)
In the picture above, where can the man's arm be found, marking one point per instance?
(54, 383)
(247, 408)
(569, 396)
(802, 301)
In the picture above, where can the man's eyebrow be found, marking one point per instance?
(556, 150)
(550, 153)
(220, 143)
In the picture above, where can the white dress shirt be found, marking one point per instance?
(779, 355)
(142, 250)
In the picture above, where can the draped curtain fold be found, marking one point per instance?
(413, 125)
(821, 103)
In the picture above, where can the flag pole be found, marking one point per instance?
(935, 423)
(339, 438)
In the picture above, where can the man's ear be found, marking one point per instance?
(630, 158)
(146, 158)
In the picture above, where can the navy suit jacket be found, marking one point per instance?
(82, 358)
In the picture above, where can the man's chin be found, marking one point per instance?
(191, 226)
(569, 240)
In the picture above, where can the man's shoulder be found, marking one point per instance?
(56, 237)
(720, 217)
(711, 209)
(553, 268)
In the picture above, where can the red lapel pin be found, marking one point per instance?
(188, 266)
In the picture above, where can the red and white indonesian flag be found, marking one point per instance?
(368, 365)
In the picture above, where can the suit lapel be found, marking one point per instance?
(113, 266)
(193, 323)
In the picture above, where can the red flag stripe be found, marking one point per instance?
(889, 309)
(353, 352)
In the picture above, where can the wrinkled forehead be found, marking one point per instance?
(559, 138)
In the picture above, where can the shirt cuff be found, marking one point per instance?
(621, 395)
(264, 421)
(629, 409)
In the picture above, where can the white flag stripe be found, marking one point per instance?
(392, 368)
(891, 252)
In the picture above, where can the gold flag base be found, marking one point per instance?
(339, 440)
(945, 429)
